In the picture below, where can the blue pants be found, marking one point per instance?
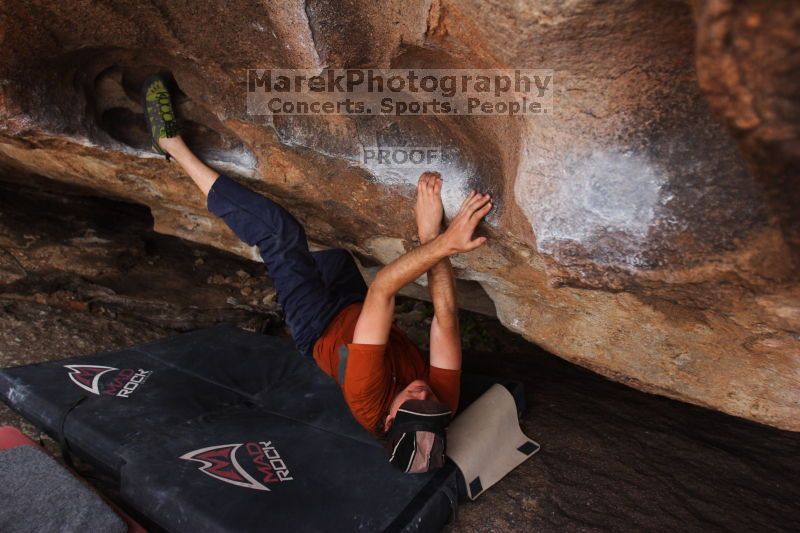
(312, 287)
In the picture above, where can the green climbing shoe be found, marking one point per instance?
(158, 112)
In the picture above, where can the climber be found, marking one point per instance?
(391, 388)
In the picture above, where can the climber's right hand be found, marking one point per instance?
(458, 237)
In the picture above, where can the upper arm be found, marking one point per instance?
(445, 345)
(366, 381)
(446, 384)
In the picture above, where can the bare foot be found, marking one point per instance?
(429, 208)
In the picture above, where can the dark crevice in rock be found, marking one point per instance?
(101, 256)
(312, 30)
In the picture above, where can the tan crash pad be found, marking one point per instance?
(486, 442)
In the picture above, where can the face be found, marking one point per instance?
(416, 390)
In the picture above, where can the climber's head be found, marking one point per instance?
(415, 429)
(416, 390)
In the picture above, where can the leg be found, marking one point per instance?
(160, 118)
(203, 176)
(340, 273)
(307, 302)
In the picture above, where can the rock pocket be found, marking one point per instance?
(118, 113)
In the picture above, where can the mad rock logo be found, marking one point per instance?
(253, 465)
(101, 380)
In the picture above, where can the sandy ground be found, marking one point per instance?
(89, 276)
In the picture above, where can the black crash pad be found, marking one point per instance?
(224, 430)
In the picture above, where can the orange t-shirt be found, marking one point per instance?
(375, 374)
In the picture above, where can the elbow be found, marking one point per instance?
(379, 289)
(446, 322)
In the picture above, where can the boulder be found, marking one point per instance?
(647, 228)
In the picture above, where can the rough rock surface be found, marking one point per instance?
(647, 230)
(612, 458)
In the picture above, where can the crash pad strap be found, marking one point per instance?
(62, 434)
(437, 484)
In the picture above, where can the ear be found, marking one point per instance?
(388, 422)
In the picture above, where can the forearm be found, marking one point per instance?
(445, 340)
(375, 321)
(408, 267)
(442, 286)
(203, 176)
